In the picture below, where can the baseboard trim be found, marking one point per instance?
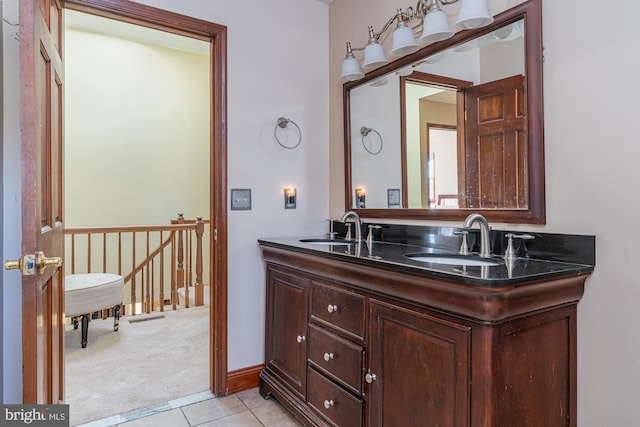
(244, 379)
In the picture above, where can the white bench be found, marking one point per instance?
(89, 292)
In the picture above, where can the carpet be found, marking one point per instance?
(152, 359)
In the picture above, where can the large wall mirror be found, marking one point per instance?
(454, 128)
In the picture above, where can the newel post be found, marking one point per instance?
(180, 269)
(199, 286)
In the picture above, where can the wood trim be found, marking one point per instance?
(216, 34)
(244, 379)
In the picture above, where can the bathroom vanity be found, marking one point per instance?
(360, 334)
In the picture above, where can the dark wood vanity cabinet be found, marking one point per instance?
(392, 348)
(421, 366)
(286, 345)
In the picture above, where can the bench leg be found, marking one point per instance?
(85, 329)
(116, 317)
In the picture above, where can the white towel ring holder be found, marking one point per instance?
(282, 123)
(364, 131)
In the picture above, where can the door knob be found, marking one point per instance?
(43, 261)
(29, 264)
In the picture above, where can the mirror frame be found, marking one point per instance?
(531, 12)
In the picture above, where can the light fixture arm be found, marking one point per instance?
(431, 20)
(419, 12)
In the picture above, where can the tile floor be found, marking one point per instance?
(244, 409)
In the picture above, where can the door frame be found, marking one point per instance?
(216, 35)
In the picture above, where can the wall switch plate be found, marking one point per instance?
(393, 197)
(240, 199)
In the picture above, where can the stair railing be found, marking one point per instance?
(139, 254)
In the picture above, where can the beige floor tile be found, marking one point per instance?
(242, 419)
(274, 415)
(173, 418)
(213, 409)
(251, 398)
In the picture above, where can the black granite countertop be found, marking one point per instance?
(393, 256)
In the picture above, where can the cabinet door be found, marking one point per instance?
(421, 368)
(286, 328)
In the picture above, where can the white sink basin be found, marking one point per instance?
(462, 260)
(326, 242)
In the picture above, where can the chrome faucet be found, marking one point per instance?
(485, 250)
(356, 220)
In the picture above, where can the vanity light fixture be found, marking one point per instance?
(290, 198)
(429, 18)
(361, 196)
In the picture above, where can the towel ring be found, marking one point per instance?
(364, 131)
(282, 123)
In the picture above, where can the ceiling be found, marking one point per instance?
(118, 29)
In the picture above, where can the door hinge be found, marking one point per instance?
(465, 115)
(215, 234)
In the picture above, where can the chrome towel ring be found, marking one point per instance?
(282, 123)
(364, 131)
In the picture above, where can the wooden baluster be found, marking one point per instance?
(104, 252)
(73, 254)
(189, 258)
(153, 284)
(122, 311)
(199, 286)
(161, 274)
(133, 277)
(89, 253)
(148, 303)
(119, 253)
(174, 288)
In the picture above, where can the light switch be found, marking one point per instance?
(240, 199)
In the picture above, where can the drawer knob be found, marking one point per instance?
(328, 403)
(301, 338)
(332, 308)
(370, 378)
(328, 356)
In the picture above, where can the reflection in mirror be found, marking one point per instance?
(461, 125)
(443, 91)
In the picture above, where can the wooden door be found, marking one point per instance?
(496, 145)
(421, 367)
(41, 123)
(286, 328)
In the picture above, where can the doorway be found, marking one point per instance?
(215, 35)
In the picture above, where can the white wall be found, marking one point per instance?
(11, 216)
(136, 132)
(592, 178)
(277, 66)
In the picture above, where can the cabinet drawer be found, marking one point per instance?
(338, 307)
(337, 356)
(329, 399)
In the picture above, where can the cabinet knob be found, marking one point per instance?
(370, 378)
(328, 356)
(328, 403)
(301, 338)
(332, 308)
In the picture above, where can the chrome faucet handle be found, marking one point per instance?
(370, 235)
(331, 234)
(510, 252)
(464, 246)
